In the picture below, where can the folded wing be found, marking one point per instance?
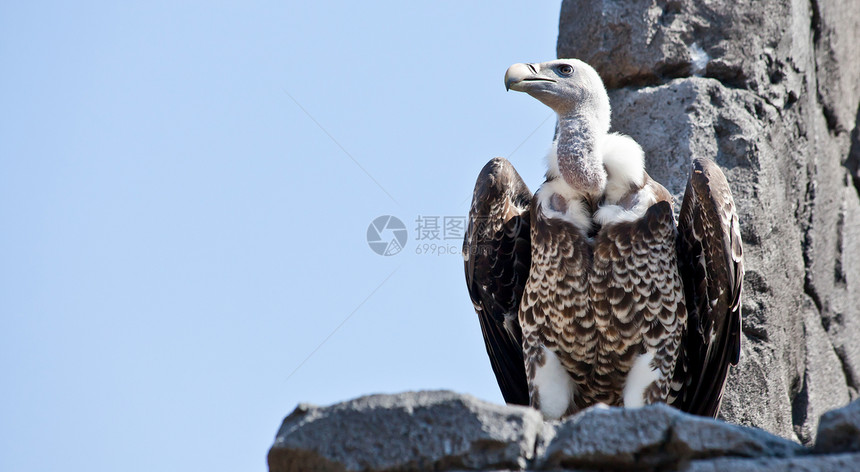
(497, 253)
(710, 261)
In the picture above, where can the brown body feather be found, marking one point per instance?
(601, 299)
(599, 302)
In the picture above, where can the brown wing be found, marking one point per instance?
(710, 260)
(497, 253)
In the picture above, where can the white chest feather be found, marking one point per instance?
(640, 377)
(559, 200)
(554, 386)
(624, 198)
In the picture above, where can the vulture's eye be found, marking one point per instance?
(565, 69)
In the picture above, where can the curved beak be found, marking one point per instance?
(519, 77)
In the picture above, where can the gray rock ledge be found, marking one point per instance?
(446, 431)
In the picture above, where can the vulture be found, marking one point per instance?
(588, 292)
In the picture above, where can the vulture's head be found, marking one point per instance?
(568, 86)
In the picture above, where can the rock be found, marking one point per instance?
(655, 436)
(411, 431)
(695, 437)
(643, 42)
(834, 463)
(852, 161)
(776, 107)
(620, 39)
(824, 381)
(765, 48)
(445, 431)
(625, 436)
(839, 430)
(836, 34)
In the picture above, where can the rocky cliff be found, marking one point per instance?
(770, 90)
(444, 431)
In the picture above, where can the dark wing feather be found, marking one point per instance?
(497, 253)
(710, 260)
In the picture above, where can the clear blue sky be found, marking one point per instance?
(178, 236)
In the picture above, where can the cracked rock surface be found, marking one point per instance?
(411, 431)
(442, 431)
